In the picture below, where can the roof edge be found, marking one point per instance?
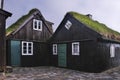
(6, 13)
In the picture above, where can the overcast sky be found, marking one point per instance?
(104, 11)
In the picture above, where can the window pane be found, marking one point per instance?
(24, 44)
(24, 47)
(68, 24)
(29, 44)
(35, 26)
(27, 48)
(39, 25)
(54, 49)
(24, 51)
(75, 48)
(29, 52)
(112, 51)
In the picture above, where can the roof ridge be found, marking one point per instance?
(96, 26)
(20, 21)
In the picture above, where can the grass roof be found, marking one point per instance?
(96, 26)
(19, 22)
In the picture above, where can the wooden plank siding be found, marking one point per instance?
(94, 49)
(78, 31)
(30, 34)
(94, 57)
(25, 32)
(40, 55)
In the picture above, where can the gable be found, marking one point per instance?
(24, 26)
(71, 29)
(83, 28)
(23, 20)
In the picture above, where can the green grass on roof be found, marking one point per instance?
(95, 25)
(19, 22)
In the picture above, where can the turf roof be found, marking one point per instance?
(19, 22)
(96, 26)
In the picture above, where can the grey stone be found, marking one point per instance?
(53, 73)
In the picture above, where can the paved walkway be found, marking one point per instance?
(53, 73)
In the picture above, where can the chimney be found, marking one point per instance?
(89, 15)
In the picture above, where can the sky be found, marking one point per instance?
(104, 11)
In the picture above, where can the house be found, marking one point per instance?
(26, 40)
(3, 16)
(84, 44)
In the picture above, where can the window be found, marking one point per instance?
(37, 24)
(27, 48)
(112, 51)
(68, 24)
(75, 48)
(54, 49)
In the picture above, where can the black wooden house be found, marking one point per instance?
(26, 40)
(84, 44)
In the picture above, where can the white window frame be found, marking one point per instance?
(68, 24)
(27, 48)
(78, 48)
(112, 51)
(37, 25)
(54, 50)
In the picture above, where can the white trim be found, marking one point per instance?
(27, 48)
(78, 48)
(68, 24)
(37, 25)
(112, 51)
(54, 49)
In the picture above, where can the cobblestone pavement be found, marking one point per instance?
(53, 73)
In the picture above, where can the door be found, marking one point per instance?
(15, 53)
(62, 55)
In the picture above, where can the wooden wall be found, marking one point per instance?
(94, 57)
(94, 54)
(40, 55)
(30, 34)
(77, 31)
(27, 32)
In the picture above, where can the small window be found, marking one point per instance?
(68, 24)
(37, 24)
(112, 51)
(75, 48)
(27, 48)
(54, 49)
